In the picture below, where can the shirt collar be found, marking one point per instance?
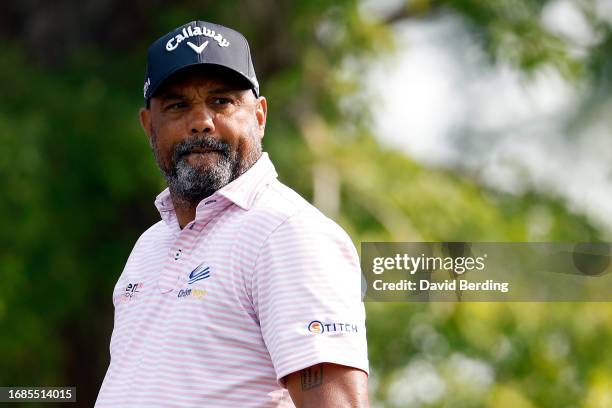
(242, 191)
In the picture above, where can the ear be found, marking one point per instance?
(261, 113)
(145, 122)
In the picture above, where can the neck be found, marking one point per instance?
(185, 210)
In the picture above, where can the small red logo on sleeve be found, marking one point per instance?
(315, 327)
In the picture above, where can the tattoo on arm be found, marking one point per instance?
(312, 377)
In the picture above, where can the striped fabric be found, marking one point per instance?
(258, 286)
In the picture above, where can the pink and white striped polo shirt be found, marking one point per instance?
(260, 285)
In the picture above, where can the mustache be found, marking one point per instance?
(207, 143)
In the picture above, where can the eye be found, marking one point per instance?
(221, 101)
(177, 105)
(173, 106)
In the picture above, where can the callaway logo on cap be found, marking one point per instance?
(198, 43)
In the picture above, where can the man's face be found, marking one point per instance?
(205, 130)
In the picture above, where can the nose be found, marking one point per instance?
(201, 120)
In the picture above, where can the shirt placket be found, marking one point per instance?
(176, 257)
(176, 265)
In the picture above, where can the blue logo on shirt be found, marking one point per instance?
(199, 273)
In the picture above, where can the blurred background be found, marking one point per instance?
(432, 120)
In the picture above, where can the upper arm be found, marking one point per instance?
(306, 292)
(328, 385)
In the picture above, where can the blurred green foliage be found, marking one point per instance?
(79, 182)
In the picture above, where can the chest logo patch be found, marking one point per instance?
(199, 273)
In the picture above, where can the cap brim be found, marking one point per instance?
(247, 82)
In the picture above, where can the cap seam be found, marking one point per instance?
(248, 68)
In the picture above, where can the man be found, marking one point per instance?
(243, 295)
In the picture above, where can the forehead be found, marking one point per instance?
(202, 78)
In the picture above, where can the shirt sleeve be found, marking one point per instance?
(307, 296)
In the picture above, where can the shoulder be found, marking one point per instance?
(153, 233)
(295, 229)
(288, 213)
(151, 238)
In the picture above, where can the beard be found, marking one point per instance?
(193, 183)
